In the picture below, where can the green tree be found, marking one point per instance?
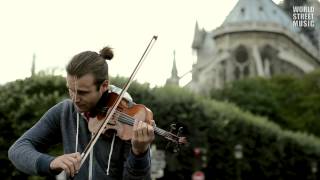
(291, 102)
(269, 151)
(22, 103)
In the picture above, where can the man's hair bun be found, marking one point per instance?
(106, 53)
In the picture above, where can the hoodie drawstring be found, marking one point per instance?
(91, 152)
(90, 161)
(110, 153)
(77, 133)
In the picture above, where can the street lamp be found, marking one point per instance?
(314, 169)
(238, 151)
(201, 156)
(238, 156)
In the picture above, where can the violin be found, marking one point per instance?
(124, 117)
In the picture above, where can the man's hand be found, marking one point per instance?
(70, 163)
(143, 135)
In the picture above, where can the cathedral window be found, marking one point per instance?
(241, 58)
(241, 54)
(242, 11)
(260, 8)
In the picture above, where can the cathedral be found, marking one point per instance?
(257, 38)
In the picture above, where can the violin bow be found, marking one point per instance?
(93, 140)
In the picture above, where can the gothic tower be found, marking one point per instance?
(33, 66)
(257, 38)
(174, 79)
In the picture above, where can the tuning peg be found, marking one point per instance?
(173, 127)
(177, 146)
(179, 131)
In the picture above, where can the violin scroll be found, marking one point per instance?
(176, 139)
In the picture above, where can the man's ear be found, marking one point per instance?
(104, 86)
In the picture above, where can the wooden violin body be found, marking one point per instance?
(123, 118)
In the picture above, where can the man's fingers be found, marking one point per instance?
(71, 165)
(153, 123)
(76, 160)
(75, 155)
(78, 156)
(65, 167)
(150, 131)
(138, 126)
(144, 130)
(135, 129)
(143, 136)
(140, 129)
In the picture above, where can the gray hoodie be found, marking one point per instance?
(59, 125)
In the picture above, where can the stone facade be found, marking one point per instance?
(256, 39)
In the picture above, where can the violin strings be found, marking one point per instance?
(130, 121)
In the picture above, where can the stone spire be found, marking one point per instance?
(33, 66)
(198, 37)
(174, 79)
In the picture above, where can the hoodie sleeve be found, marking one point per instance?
(137, 167)
(27, 153)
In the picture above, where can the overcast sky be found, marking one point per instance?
(58, 29)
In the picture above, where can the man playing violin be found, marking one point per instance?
(67, 123)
